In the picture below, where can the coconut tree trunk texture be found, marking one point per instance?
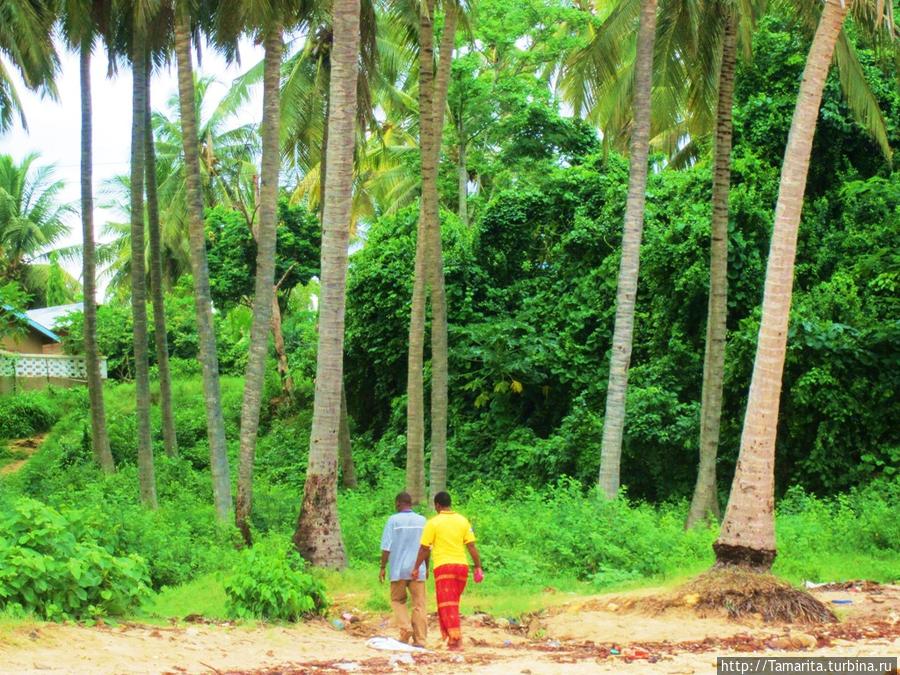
(170, 440)
(626, 292)
(747, 537)
(438, 467)
(462, 174)
(415, 390)
(345, 448)
(284, 372)
(264, 290)
(138, 277)
(705, 502)
(99, 437)
(345, 451)
(215, 424)
(318, 534)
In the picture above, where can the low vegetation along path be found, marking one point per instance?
(592, 635)
(21, 451)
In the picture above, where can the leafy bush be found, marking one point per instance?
(29, 413)
(47, 570)
(271, 581)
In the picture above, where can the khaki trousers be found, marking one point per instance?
(416, 627)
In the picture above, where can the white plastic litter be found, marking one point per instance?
(348, 666)
(391, 645)
(406, 659)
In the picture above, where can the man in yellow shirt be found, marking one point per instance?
(445, 539)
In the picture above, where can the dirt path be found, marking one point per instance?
(600, 635)
(22, 449)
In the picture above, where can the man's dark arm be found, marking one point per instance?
(474, 553)
(424, 553)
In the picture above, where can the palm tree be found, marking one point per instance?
(138, 279)
(226, 152)
(26, 30)
(208, 358)
(80, 21)
(438, 466)
(747, 537)
(32, 222)
(705, 501)
(170, 439)
(415, 387)
(318, 535)
(224, 147)
(620, 357)
(269, 22)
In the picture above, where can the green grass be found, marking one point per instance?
(358, 588)
(204, 596)
(841, 566)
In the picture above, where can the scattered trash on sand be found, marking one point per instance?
(391, 645)
(406, 659)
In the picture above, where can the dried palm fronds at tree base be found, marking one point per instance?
(744, 593)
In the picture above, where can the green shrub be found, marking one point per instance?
(47, 570)
(271, 581)
(28, 413)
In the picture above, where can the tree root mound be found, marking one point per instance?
(744, 593)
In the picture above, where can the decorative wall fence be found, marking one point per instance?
(31, 371)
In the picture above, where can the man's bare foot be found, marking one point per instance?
(405, 636)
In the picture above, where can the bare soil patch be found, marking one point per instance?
(610, 633)
(21, 450)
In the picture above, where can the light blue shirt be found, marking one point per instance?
(401, 537)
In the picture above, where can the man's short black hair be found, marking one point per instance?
(442, 499)
(403, 498)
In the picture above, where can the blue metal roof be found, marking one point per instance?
(33, 324)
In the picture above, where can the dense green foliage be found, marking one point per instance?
(272, 581)
(30, 413)
(53, 567)
(560, 535)
(231, 250)
(531, 291)
(531, 286)
(13, 300)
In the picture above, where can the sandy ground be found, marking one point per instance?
(596, 635)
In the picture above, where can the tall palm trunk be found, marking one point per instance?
(438, 468)
(415, 389)
(705, 502)
(99, 437)
(139, 277)
(345, 448)
(264, 291)
(215, 424)
(345, 451)
(318, 533)
(156, 286)
(747, 537)
(626, 292)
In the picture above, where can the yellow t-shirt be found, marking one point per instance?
(447, 535)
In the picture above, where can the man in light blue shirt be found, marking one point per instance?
(399, 547)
